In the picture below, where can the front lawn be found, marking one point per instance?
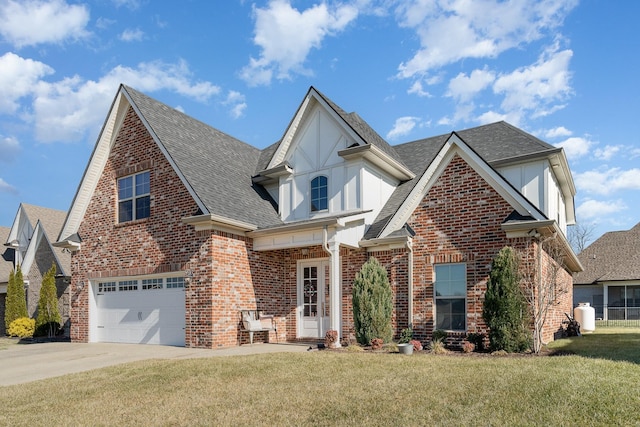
(594, 386)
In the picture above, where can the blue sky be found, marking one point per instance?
(563, 70)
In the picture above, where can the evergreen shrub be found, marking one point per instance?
(372, 303)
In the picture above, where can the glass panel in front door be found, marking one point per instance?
(310, 291)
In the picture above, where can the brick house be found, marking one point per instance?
(176, 226)
(29, 244)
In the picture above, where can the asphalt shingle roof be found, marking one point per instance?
(218, 166)
(614, 256)
(495, 142)
(51, 221)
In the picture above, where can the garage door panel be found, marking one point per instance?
(149, 316)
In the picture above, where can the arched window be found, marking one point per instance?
(319, 199)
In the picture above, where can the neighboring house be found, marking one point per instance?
(176, 226)
(6, 265)
(610, 281)
(30, 239)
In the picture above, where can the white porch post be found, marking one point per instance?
(335, 290)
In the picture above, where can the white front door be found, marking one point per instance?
(313, 298)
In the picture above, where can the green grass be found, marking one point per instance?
(598, 385)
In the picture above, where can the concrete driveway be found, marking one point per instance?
(22, 363)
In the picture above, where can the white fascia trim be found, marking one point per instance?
(281, 152)
(167, 156)
(305, 107)
(379, 158)
(385, 243)
(95, 167)
(30, 254)
(67, 244)
(455, 145)
(544, 229)
(220, 223)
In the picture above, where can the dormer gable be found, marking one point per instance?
(325, 159)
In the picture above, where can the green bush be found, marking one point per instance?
(406, 335)
(48, 319)
(16, 301)
(439, 335)
(504, 308)
(372, 303)
(22, 327)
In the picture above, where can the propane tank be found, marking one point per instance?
(586, 316)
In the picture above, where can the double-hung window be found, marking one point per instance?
(134, 201)
(451, 296)
(319, 195)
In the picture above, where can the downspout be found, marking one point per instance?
(325, 243)
(409, 246)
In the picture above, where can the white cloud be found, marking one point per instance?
(417, 89)
(538, 86)
(594, 209)
(607, 152)
(403, 126)
(286, 36)
(608, 181)
(68, 109)
(5, 187)
(32, 22)
(450, 31)
(575, 146)
(18, 78)
(237, 102)
(464, 87)
(9, 148)
(557, 132)
(132, 35)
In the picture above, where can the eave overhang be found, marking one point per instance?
(273, 174)
(541, 230)
(68, 244)
(379, 158)
(217, 222)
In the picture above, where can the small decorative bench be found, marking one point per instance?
(255, 321)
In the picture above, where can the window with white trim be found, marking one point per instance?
(450, 287)
(319, 194)
(134, 199)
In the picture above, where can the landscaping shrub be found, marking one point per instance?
(477, 339)
(439, 335)
(504, 308)
(372, 303)
(16, 301)
(48, 319)
(22, 327)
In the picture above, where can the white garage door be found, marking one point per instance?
(141, 311)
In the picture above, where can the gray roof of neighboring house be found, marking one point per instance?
(615, 256)
(6, 260)
(495, 143)
(52, 221)
(218, 167)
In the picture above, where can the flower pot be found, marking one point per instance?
(405, 348)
